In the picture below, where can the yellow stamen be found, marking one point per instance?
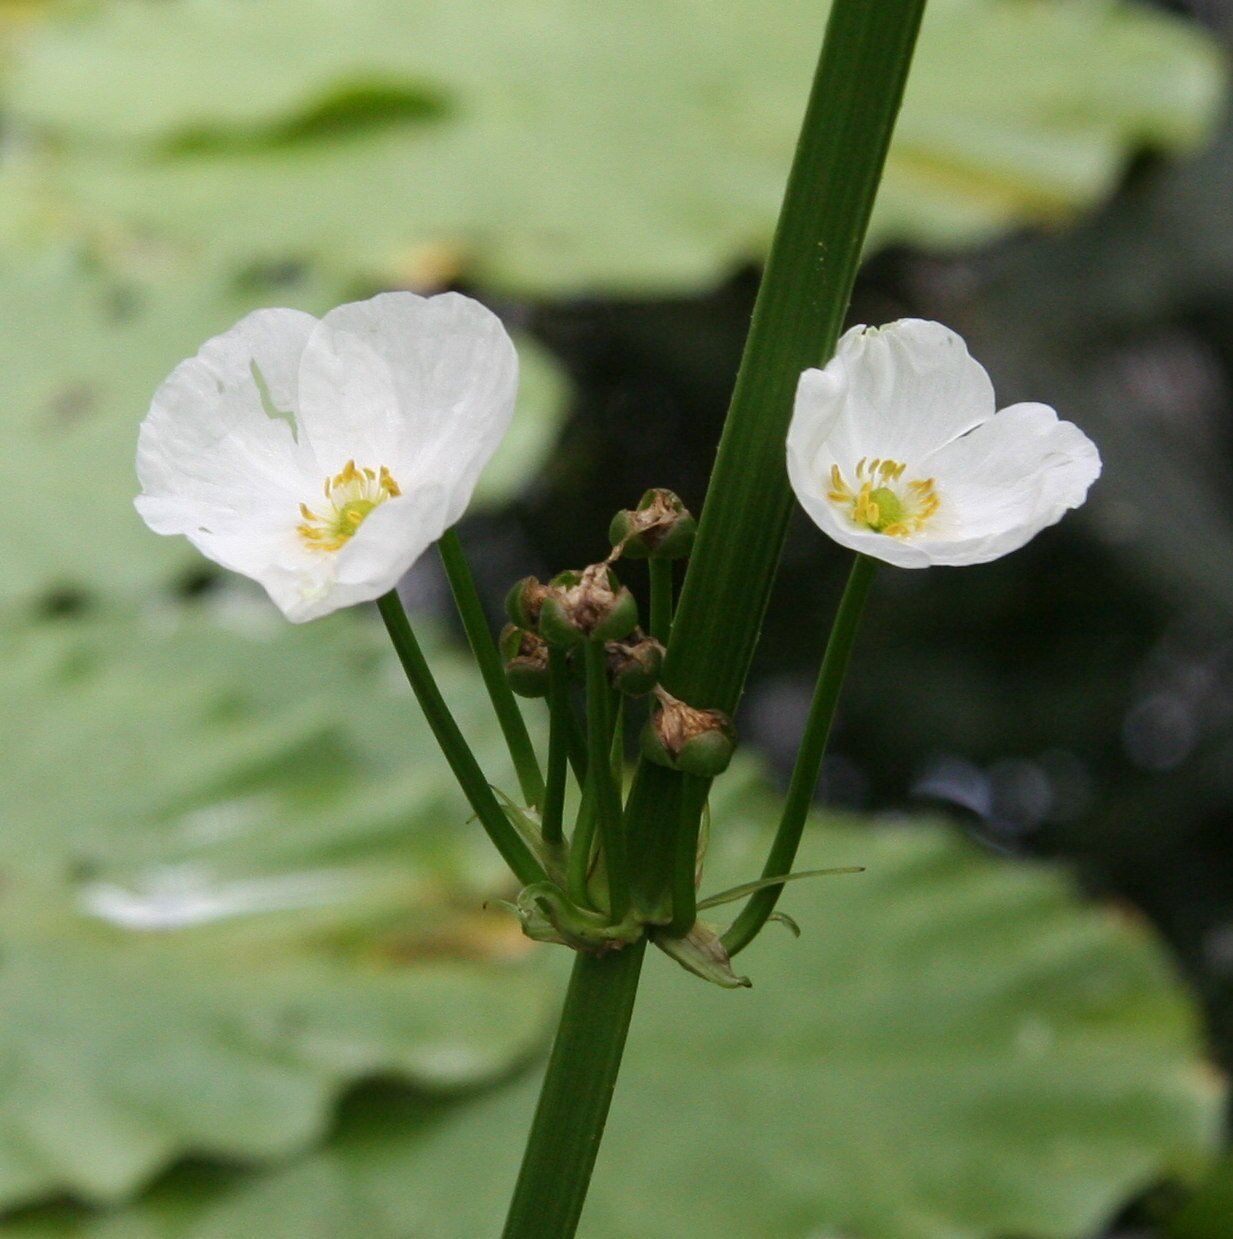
(352, 494)
(881, 502)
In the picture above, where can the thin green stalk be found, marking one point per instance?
(579, 867)
(661, 599)
(599, 772)
(560, 722)
(479, 635)
(457, 752)
(576, 739)
(796, 323)
(577, 1091)
(616, 746)
(809, 757)
(685, 862)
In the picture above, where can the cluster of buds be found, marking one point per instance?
(576, 608)
(572, 609)
(660, 527)
(591, 605)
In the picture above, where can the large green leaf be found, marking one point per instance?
(236, 877)
(81, 356)
(957, 1048)
(552, 146)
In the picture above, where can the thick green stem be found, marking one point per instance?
(457, 752)
(809, 756)
(796, 323)
(577, 1091)
(560, 722)
(471, 611)
(599, 772)
(661, 599)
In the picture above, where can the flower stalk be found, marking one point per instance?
(809, 756)
(488, 658)
(607, 796)
(559, 725)
(661, 599)
(457, 752)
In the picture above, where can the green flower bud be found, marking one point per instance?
(693, 741)
(591, 605)
(660, 527)
(523, 602)
(526, 661)
(635, 667)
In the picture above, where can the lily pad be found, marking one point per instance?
(957, 1048)
(81, 355)
(548, 147)
(236, 878)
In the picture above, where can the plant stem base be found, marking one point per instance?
(577, 1091)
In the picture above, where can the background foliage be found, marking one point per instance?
(248, 983)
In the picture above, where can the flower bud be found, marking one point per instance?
(591, 605)
(523, 602)
(526, 661)
(635, 667)
(693, 741)
(660, 527)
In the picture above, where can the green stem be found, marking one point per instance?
(471, 611)
(599, 772)
(809, 756)
(796, 323)
(685, 861)
(457, 752)
(661, 599)
(576, 1094)
(560, 723)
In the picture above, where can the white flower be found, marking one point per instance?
(323, 457)
(896, 450)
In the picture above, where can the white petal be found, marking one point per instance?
(905, 390)
(1005, 482)
(209, 454)
(424, 386)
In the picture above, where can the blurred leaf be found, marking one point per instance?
(81, 355)
(1208, 1214)
(549, 147)
(956, 1049)
(236, 877)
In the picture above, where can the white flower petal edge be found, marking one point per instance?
(896, 450)
(322, 458)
